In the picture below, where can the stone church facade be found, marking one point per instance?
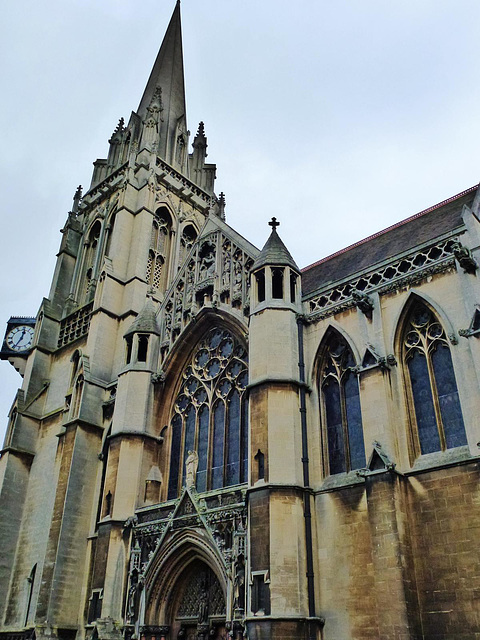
(210, 442)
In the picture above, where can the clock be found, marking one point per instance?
(20, 338)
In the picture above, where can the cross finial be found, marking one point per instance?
(273, 223)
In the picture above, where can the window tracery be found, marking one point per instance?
(91, 249)
(159, 249)
(210, 415)
(341, 413)
(435, 405)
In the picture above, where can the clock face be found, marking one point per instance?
(20, 338)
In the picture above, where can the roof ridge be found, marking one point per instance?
(393, 226)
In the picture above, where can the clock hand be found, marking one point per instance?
(20, 339)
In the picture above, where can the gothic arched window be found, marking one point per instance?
(340, 407)
(157, 263)
(187, 239)
(210, 415)
(91, 250)
(435, 405)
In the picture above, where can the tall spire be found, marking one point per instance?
(167, 73)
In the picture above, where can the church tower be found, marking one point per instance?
(135, 366)
(211, 443)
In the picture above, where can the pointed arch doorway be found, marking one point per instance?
(196, 608)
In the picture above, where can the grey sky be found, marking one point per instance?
(339, 118)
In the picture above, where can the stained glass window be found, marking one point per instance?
(436, 406)
(341, 412)
(210, 415)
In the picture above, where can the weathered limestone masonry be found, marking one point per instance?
(211, 442)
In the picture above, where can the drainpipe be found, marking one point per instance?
(307, 514)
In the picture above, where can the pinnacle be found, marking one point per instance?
(274, 251)
(146, 321)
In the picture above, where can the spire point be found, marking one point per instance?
(274, 223)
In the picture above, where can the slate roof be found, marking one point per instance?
(399, 238)
(146, 321)
(275, 252)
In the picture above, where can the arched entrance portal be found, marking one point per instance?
(196, 608)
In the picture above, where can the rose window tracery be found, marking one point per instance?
(210, 415)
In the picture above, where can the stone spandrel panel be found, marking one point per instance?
(214, 274)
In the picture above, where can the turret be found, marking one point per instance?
(277, 481)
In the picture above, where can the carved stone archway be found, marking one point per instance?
(196, 608)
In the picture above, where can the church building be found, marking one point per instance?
(211, 442)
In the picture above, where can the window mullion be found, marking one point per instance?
(436, 403)
(343, 409)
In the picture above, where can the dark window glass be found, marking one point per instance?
(448, 398)
(293, 287)
(260, 276)
(175, 456)
(203, 419)
(341, 407)
(436, 404)
(233, 445)
(277, 283)
(218, 444)
(354, 421)
(129, 349)
(244, 477)
(336, 447)
(142, 348)
(423, 401)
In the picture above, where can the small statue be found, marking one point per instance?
(191, 465)
(207, 266)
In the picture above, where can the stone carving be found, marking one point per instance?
(191, 465)
(207, 265)
(465, 258)
(363, 302)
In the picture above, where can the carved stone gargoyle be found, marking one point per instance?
(464, 257)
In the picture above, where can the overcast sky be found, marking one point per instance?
(339, 118)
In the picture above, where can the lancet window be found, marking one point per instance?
(186, 241)
(210, 415)
(434, 402)
(157, 263)
(91, 249)
(340, 408)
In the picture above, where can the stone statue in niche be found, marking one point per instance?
(237, 277)
(226, 271)
(168, 324)
(207, 264)
(178, 313)
(191, 465)
(239, 587)
(203, 604)
(189, 295)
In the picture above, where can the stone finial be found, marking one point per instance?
(221, 205)
(120, 125)
(274, 223)
(77, 198)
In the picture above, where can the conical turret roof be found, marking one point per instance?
(274, 251)
(146, 321)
